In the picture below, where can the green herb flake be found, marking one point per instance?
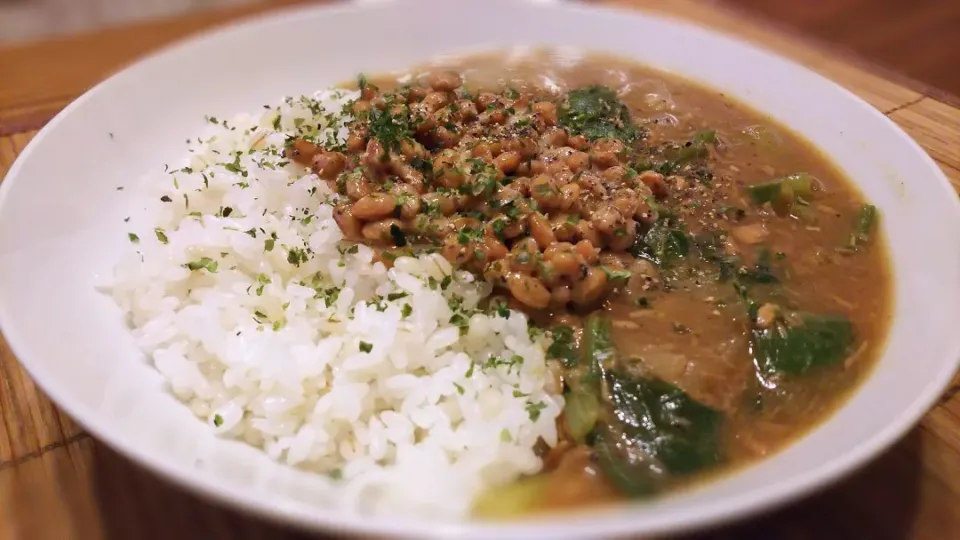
(296, 256)
(262, 281)
(205, 263)
(534, 409)
(365, 347)
(390, 129)
(616, 275)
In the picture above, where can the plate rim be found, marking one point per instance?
(583, 525)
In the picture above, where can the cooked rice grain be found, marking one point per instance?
(276, 333)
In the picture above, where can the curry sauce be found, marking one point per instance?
(713, 285)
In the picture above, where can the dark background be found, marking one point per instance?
(917, 38)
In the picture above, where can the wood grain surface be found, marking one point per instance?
(919, 38)
(56, 482)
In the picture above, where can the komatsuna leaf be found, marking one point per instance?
(817, 341)
(596, 113)
(665, 423)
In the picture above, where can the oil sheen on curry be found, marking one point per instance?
(712, 285)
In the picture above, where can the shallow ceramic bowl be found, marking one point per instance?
(61, 229)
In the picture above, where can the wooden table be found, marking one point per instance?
(919, 39)
(56, 482)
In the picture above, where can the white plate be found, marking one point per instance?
(61, 230)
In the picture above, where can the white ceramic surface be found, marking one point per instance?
(61, 229)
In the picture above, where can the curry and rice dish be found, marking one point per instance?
(639, 283)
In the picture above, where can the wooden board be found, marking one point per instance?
(56, 482)
(919, 39)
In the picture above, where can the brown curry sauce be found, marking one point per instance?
(432, 164)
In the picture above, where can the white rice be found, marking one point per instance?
(421, 423)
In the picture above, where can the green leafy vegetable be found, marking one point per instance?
(744, 295)
(665, 243)
(563, 348)
(710, 246)
(598, 345)
(665, 423)
(654, 429)
(632, 479)
(581, 411)
(696, 148)
(674, 158)
(782, 193)
(761, 272)
(513, 499)
(863, 226)
(660, 431)
(596, 113)
(818, 341)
